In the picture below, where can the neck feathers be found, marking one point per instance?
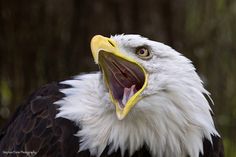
(170, 123)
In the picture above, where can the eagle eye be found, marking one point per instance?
(143, 53)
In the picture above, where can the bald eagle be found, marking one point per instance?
(146, 100)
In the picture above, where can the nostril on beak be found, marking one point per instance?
(111, 43)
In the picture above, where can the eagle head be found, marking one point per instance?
(135, 67)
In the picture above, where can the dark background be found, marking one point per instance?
(47, 40)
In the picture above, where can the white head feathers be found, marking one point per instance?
(172, 118)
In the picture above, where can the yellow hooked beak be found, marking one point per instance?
(118, 69)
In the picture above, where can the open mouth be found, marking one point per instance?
(123, 78)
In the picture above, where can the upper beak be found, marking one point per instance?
(99, 43)
(108, 46)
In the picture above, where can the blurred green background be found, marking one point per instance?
(47, 40)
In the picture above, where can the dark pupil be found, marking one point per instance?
(142, 51)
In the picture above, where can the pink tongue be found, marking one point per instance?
(128, 93)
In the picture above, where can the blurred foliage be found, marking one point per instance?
(47, 40)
